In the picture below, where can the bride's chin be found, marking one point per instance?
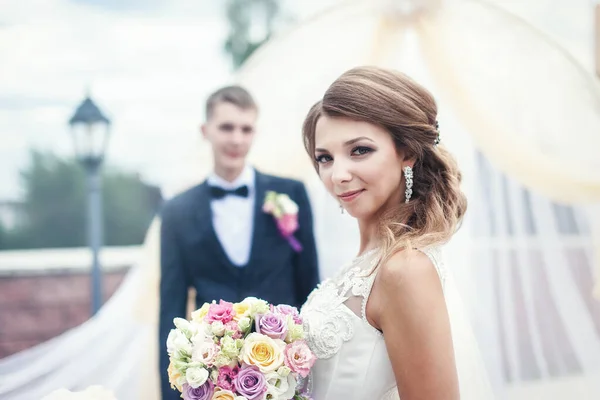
(356, 212)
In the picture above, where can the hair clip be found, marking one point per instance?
(438, 139)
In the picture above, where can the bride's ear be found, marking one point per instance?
(407, 159)
(203, 130)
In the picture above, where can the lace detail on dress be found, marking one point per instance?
(391, 394)
(328, 322)
(328, 326)
(327, 313)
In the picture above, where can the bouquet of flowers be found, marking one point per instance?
(250, 350)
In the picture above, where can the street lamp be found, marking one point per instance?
(90, 130)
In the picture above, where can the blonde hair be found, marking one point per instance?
(408, 112)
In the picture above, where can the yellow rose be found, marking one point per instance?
(198, 315)
(175, 377)
(222, 394)
(240, 310)
(263, 352)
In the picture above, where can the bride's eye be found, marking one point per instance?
(361, 150)
(323, 158)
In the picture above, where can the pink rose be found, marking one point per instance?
(299, 358)
(288, 224)
(227, 376)
(222, 312)
(233, 326)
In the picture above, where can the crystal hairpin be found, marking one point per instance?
(438, 139)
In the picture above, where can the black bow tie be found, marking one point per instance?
(218, 192)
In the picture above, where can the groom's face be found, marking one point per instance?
(230, 130)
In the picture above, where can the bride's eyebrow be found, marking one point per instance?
(358, 139)
(347, 143)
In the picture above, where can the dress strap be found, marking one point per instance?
(435, 255)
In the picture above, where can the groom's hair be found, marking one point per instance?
(235, 95)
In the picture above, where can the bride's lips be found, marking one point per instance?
(349, 196)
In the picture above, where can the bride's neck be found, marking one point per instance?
(369, 236)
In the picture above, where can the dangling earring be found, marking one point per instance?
(408, 177)
(341, 209)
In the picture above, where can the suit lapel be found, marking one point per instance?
(203, 212)
(258, 223)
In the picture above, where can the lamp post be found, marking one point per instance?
(90, 130)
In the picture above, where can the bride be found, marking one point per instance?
(387, 325)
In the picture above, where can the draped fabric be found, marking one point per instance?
(522, 117)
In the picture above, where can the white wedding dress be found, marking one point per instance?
(353, 363)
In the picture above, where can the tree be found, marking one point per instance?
(241, 14)
(56, 199)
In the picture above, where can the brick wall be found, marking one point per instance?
(35, 308)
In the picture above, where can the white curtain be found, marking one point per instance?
(532, 268)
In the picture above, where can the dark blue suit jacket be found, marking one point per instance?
(192, 256)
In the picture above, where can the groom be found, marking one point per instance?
(216, 238)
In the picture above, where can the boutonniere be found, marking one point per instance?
(285, 212)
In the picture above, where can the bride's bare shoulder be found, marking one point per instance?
(408, 272)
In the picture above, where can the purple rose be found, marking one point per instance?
(271, 325)
(204, 392)
(284, 309)
(250, 383)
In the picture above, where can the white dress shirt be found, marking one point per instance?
(233, 216)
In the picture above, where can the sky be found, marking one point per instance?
(149, 65)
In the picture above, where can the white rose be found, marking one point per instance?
(203, 334)
(205, 352)
(184, 326)
(178, 344)
(256, 306)
(196, 377)
(229, 347)
(244, 324)
(222, 360)
(288, 205)
(281, 387)
(218, 329)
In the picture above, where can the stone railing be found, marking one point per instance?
(45, 292)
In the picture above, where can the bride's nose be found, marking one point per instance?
(340, 173)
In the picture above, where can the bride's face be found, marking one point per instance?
(359, 165)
